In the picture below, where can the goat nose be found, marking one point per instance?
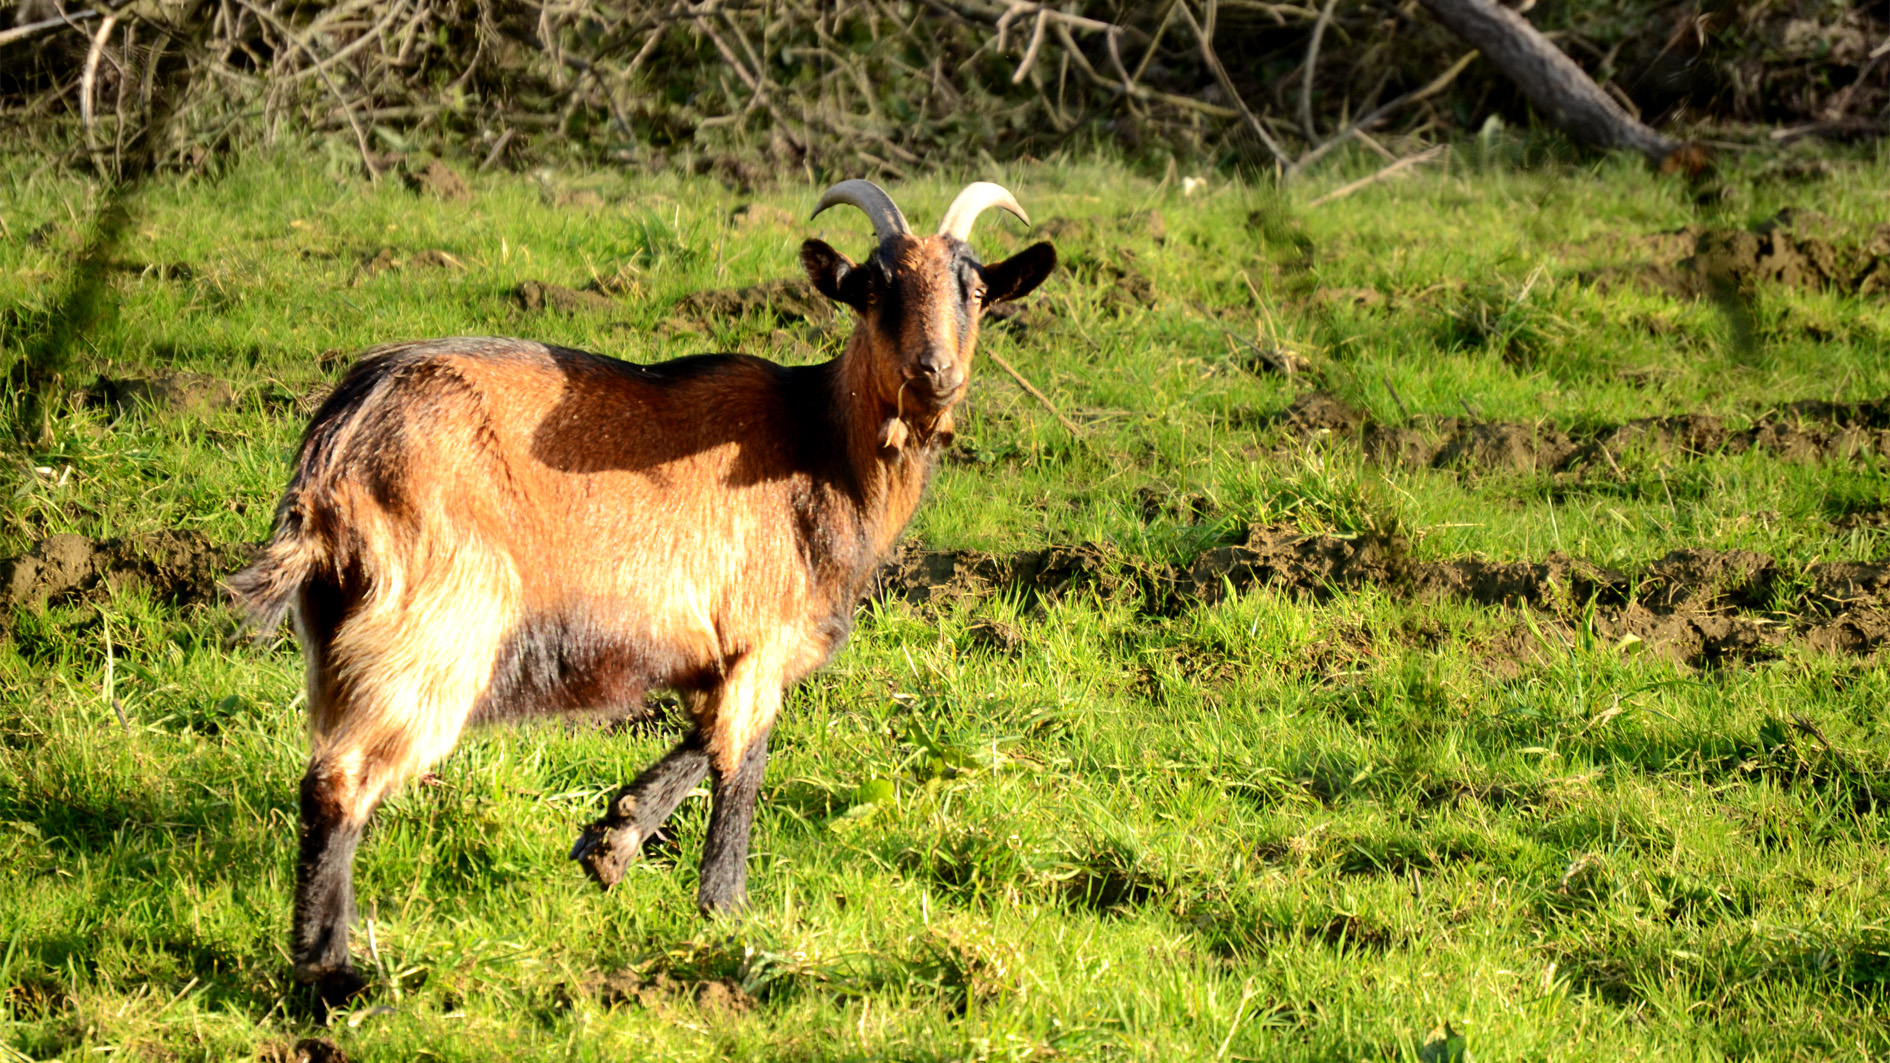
(936, 366)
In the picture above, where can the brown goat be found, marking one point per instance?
(480, 529)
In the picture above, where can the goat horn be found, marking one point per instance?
(869, 197)
(978, 197)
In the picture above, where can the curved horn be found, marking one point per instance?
(978, 197)
(869, 197)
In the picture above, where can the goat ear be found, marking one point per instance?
(1018, 275)
(834, 274)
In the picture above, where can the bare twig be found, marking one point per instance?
(1312, 65)
(88, 82)
(1390, 171)
(360, 135)
(1030, 52)
(1206, 37)
(32, 29)
(1435, 86)
(1034, 393)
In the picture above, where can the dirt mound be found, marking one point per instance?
(176, 566)
(1708, 580)
(1317, 565)
(1696, 606)
(387, 259)
(720, 996)
(931, 578)
(1313, 412)
(787, 301)
(1504, 446)
(1843, 584)
(536, 296)
(1793, 249)
(1125, 288)
(167, 393)
(1811, 430)
(1555, 584)
(439, 179)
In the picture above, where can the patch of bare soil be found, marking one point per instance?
(176, 566)
(387, 259)
(439, 179)
(933, 578)
(1811, 430)
(1125, 287)
(788, 301)
(166, 393)
(536, 296)
(1793, 249)
(720, 997)
(1695, 606)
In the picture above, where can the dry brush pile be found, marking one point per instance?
(748, 87)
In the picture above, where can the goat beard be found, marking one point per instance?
(895, 433)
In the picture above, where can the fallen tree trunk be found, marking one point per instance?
(1551, 80)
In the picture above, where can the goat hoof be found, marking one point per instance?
(333, 988)
(604, 850)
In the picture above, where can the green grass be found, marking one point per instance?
(1265, 829)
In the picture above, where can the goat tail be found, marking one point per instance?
(265, 589)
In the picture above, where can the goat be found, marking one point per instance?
(479, 529)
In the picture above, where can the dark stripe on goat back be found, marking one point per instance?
(571, 662)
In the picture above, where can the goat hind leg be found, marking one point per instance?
(606, 846)
(334, 812)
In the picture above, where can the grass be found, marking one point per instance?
(1270, 828)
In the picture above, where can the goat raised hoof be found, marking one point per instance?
(605, 849)
(638, 810)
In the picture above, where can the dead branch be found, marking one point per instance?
(1551, 80)
(1206, 37)
(1377, 114)
(1312, 65)
(1393, 170)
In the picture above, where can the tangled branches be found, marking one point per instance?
(876, 86)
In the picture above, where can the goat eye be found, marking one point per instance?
(977, 295)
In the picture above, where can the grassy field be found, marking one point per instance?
(1303, 821)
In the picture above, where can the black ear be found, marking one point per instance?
(834, 274)
(1018, 275)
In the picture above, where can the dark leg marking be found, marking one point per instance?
(723, 888)
(606, 846)
(324, 892)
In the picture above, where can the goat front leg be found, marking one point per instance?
(723, 887)
(740, 718)
(606, 846)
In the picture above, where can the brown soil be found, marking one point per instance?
(754, 215)
(788, 301)
(166, 393)
(578, 199)
(440, 180)
(1812, 430)
(1794, 249)
(721, 997)
(388, 259)
(307, 1050)
(177, 566)
(1695, 606)
(536, 296)
(931, 578)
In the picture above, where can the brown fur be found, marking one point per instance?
(486, 528)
